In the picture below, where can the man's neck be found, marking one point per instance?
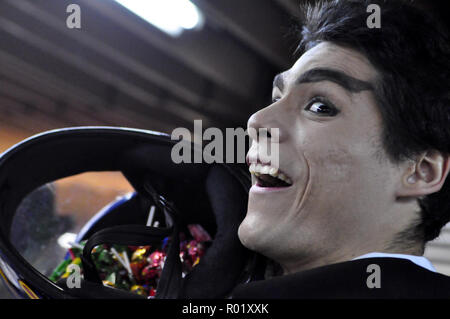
(305, 263)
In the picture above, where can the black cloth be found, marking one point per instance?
(400, 279)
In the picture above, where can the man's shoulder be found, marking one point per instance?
(380, 278)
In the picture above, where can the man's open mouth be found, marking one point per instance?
(268, 176)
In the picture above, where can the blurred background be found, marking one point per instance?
(120, 69)
(150, 64)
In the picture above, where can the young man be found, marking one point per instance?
(364, 142)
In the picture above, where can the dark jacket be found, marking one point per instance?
(399, 279)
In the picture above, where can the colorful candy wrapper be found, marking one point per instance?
(137, 268)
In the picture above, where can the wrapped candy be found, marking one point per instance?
(60, 270)
(139, 253)
(199, 233)
(149, 273)
(153, 269)
(138, 289)
(137, 268)
(108, 283)
(76, 261)
(156, 258)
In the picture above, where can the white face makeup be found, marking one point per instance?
(338, 181)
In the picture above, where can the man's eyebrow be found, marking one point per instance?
(348, 82)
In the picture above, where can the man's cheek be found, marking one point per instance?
(334, 166)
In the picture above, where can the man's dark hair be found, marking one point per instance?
(412, 56)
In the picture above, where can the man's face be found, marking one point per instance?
(342, 183)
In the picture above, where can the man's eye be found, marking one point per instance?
(321, 109)
(275, 99)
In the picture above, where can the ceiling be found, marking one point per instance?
(120, 70)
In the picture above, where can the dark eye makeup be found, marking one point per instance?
(318, 105)
(321, 107)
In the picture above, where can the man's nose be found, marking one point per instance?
(266, 123)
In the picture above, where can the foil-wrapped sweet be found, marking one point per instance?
(137, 268)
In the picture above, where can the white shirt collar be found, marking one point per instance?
(418, 260)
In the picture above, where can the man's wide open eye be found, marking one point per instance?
(321, 108)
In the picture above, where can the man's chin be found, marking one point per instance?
(252, 237)
(245, 235)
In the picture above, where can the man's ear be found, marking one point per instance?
(425, 176)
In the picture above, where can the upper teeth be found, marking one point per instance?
(258, 169)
